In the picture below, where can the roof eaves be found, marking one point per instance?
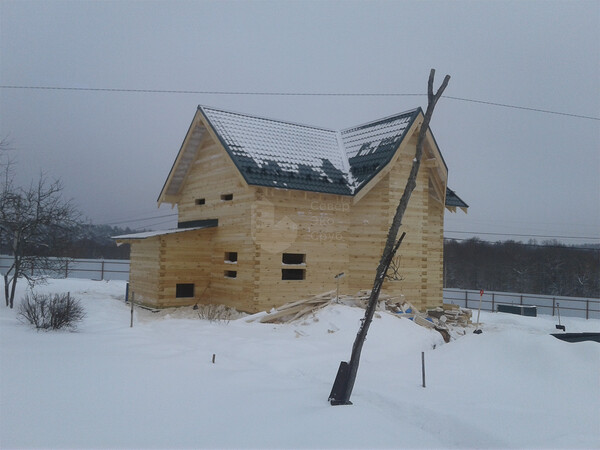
(151, 234)
(176, 158)
(439, 150)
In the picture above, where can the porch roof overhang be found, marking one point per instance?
(124, 238)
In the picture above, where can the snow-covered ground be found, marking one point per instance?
(155, 386)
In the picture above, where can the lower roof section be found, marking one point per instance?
(453, 201)
(149, 234)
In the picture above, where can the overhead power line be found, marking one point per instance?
(296, 94)
(145, 227)
(525, 108)
(141, 219)
(489, 233)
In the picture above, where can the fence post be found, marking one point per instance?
(553, 305)
(587, 309)
(493, 301)
(521, 299)
(102, 271)
(466, 299)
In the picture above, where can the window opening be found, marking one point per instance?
(200, 201)
(184, 290)
(293, 274)
(230, 274)
(293, 258)
(231, 257)
(227, 197)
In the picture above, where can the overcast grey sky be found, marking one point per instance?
(520, 171)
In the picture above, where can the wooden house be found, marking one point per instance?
(271, 211)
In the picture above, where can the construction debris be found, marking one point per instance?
(445, 319)
(302, 308)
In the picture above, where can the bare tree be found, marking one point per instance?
(344, 382)
(36, 224)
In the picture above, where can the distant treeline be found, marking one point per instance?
(549, 268)
(95, 241)
(89, 241)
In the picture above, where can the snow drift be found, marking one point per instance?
(155, 385)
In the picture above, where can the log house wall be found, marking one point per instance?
(261, 223)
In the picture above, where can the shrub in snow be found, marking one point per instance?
(51, 311)
(216, 313)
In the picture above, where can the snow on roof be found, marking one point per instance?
(281, 154)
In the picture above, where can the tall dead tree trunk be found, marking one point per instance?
(344, 382)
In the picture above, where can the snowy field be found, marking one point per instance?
(107, 385)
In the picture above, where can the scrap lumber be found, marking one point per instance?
(442, 319)
(298, 309)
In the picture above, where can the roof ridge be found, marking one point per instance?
(297, 124)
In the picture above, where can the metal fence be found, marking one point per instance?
(94, 269)
(588, 308)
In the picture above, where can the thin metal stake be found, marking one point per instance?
(423, 366)
(132, 297)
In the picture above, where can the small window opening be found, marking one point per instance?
(231, 257)
(184, 290)
(293, 258)
(200, 201)
(227, 197)
(230, 274)
(293, 274)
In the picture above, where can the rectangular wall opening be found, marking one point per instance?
(184, 290)
(231, 274)
(227, 197)
(231, 257)
(293, 258)
(200, 201)
(293, 274)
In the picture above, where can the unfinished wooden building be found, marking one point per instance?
(270, 212)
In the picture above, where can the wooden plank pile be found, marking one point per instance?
(443, 319)
(300, 309)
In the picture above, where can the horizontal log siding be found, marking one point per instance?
(435, 258)
(144, 271)
(368, 234)
(201, 257)
(288, 221)
(184, 258)
(421, 251)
